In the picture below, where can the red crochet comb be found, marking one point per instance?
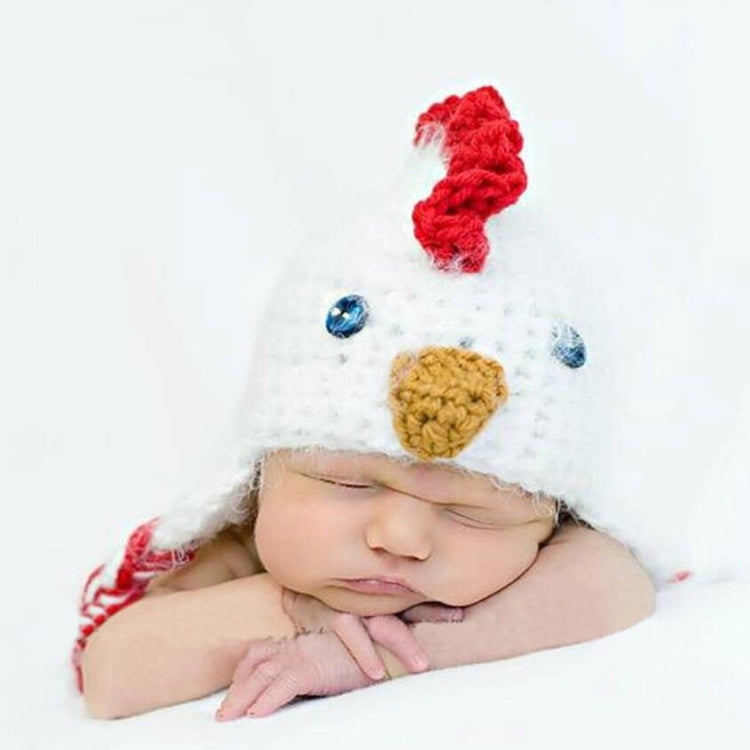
(485, 175)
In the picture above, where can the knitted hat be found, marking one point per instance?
(434, 329)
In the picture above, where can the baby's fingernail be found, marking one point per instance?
(421, 662)
(378, 674)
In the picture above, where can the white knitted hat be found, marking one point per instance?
(428, 331)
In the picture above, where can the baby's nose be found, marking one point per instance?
(402, 525)
(442, 397)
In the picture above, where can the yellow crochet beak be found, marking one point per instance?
(442, 397)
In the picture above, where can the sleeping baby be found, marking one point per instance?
(408, 483)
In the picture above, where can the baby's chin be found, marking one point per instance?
(365, 604)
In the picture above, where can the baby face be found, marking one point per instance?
(452, 537)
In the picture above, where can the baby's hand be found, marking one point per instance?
(274, 672)
(332, 653)
(359, 634)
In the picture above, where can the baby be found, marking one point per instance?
(415, 428)
(326, 525)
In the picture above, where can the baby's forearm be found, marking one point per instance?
(582, 586)
(168, 649)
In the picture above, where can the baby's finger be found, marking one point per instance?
(257, 652)
(432, 612)
(398, 638)
(286, 687)
(243, 694)
(352, 631)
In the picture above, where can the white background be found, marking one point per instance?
(159, 159)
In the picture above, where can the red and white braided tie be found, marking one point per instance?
(122, 581)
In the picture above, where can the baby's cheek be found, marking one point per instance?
(487, 571)
(286, 546)
(272, 543)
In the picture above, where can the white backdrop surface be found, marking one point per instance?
(158, 161)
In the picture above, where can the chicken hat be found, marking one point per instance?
(421, 332)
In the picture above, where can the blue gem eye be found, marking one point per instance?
(347, 317)
(568, 346)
